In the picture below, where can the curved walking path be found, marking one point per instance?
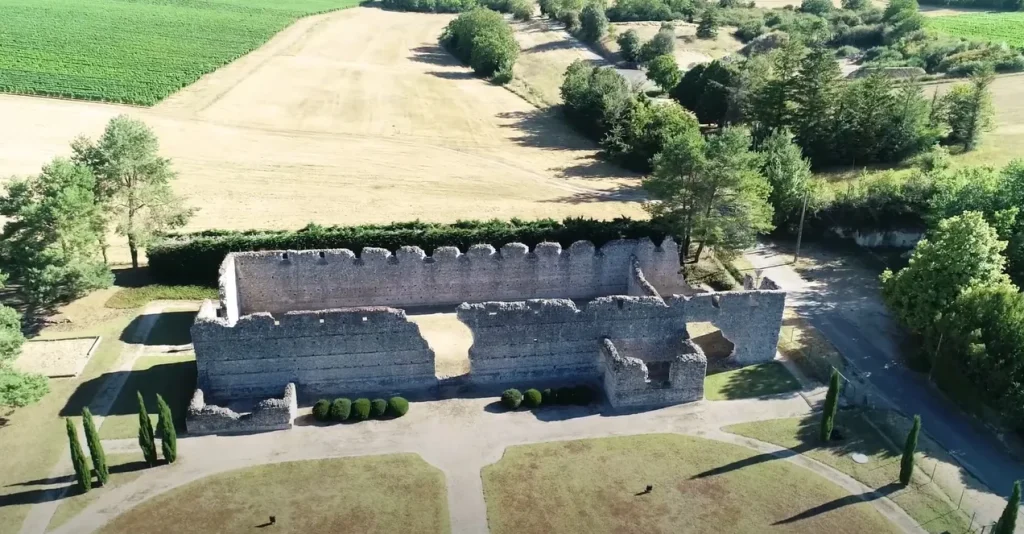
(460, 437)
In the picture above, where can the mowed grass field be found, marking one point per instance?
(699, 485)
(135, 52)
(996, 27)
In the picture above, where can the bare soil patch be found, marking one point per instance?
(351, 117)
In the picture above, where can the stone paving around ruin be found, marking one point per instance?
(459, 436)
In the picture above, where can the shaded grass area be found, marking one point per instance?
(803, 345)
(135, 297)
(699, 485)
(922, 500)
(173, 377)
(369, 494)
(172, 328)
(124, 468)
(36, 434)
(769, 378)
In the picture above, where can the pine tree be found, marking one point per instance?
(168, 437)
(147, 441)
(907, 463)
(831, 405)
(82, 473)
(92, 437)
(1008, 521)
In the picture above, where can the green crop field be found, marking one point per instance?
(996, 27)
(133, 51)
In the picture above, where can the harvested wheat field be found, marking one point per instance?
(689, 50)
(354, 116)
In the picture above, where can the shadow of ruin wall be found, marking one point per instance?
(281, 281)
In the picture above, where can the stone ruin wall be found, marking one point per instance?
(628, 382)
(325, 352)
(749, 319)
(267, 415)
(281, 281)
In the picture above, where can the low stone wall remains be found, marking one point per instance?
(326, 352)
(749, 319)
(267, 415)
(282, 281)
(629, 382)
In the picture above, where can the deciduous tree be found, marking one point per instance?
(968, 109)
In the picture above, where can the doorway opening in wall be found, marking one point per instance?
(717, 348)
(447, 336)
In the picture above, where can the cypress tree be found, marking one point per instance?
(147, 441)
(92, 437)
(82, 473)
(168, 437)
(831, 405)
(1008, 521)
(907, 463)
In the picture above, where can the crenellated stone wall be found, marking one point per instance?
(268, 414)
(677, 376)
(325, 352)
(281, 281)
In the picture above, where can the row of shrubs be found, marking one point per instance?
(520, 9)
(195, 258)
(483, 40)
(341, 410)
(580, 395)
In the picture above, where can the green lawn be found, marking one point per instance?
(699, 486)
(752, 381)
(133, 51)
(124, 468)
(135, 297)
(368, 494)
(996, 27)
(923, 501)
(173, 377)
(37, 432)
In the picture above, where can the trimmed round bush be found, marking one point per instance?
(398, 406)
(341, 409)
(361, 409)
(322, 410)
(532, 398)
(511, 398)
(378, 407)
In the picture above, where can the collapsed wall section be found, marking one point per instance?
(553, 340)
(281, 281)
(749, 319)
(267, 415)
(327, 352)
(629, 382)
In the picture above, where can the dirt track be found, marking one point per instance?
(354, 116)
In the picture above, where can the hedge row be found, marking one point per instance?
(341, 410)
(195, 258)
(580, 395)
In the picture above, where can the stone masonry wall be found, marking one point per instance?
(267, 415)
(627, 383)
(552, 339)
(281, 281)
(326, 352)
(749, 319)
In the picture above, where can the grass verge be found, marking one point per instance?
(769, 378)
(699, 485)
(173, 377)
(136, 297)
(37, 432)
(381, 494)
(803, 345)
(124, 468)
(923, 501)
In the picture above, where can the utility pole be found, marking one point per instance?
(800, 232)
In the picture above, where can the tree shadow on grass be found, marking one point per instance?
(453, 75)
(621, 194)
(836, 504)
(753, 381)
(170, 328)
(752, 461)
(38, 496)
(434, 55)
(544, 129)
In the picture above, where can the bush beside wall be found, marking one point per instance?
(195, 258)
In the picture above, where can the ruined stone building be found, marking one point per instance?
(325, 323)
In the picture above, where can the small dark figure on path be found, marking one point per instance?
(273, 520)
(646, 490)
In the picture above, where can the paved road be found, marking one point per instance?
(843, 302)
